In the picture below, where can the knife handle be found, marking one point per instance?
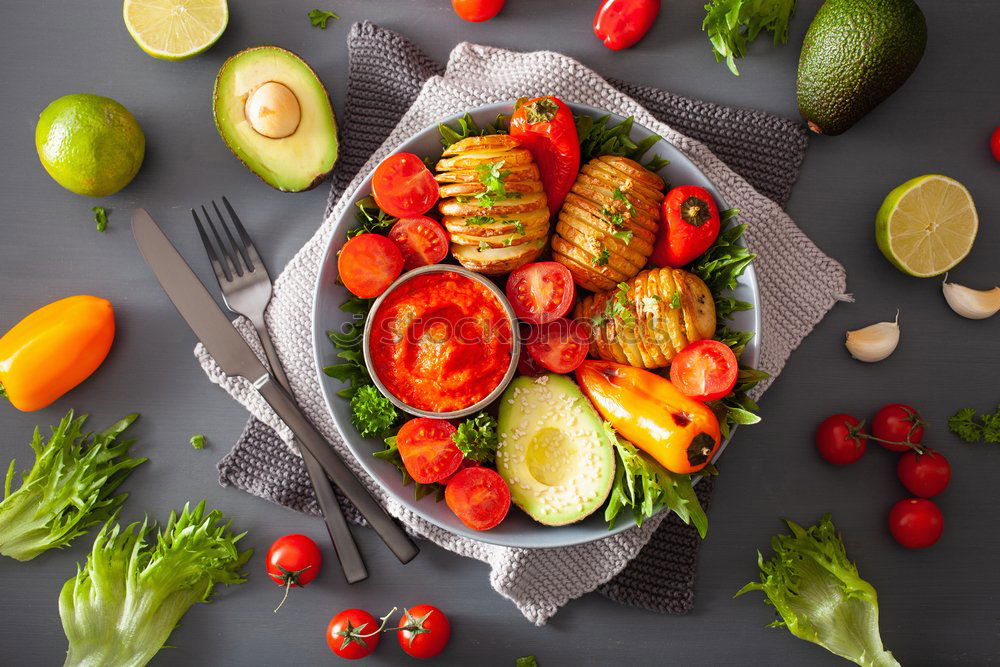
(309, 438)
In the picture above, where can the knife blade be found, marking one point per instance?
(235, 357)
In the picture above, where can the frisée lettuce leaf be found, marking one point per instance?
(820, 596)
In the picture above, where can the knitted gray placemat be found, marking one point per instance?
(386, 74)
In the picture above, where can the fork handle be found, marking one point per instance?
(336, 525)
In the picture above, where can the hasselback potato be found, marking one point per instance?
(646, 321)
(492, 203)
(608, 222)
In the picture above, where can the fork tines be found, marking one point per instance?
(240, 256)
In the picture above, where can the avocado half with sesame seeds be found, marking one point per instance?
(275, 115)
(554, 452)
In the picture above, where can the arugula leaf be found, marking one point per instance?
(467, 127)
(370, 219)
(597, 139)
(732, 24)
(645, 486)
(725, 261)
(477, 438)
(121, 607)
(372, 413)
(820, 596)
(69, 488)
(353, 371)
(198, 441)
(392, 455)
(100, 217)
(985, 428)
(319, 17)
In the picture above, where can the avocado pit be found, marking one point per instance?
(272, 110)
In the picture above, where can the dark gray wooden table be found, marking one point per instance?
(937, 606)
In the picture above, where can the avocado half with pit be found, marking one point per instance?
(554, 452)
(275, 115)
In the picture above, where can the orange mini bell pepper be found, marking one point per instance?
(54, 349)
(679, 432)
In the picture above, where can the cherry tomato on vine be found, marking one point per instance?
(478, 496)
(545, 126)
(403, 186)
(424, 631)
(560, 346)
(293, 560)
(705, 370)
(924, 473)
(995, 143)
(346, 634)
(690, 223)
(898, 423)
(541, 291)
(421, 240)
(916, 523)
(840, 439)
(428, 451)
(476, 11)
(368, 263)
(620, 24)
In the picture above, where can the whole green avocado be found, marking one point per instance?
(856, 53)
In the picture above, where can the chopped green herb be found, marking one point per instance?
(509, 241)
(479, 220)
(602, 257)
(392, 455)
(492, 176)
(620, 196)
(519, 227)
(616, 218)
(100, 217)
(675, 300)
(732, 24)
(319, 17)
(477, 438)
(625, 235)
(198, 441)
(372, 414)
(483, 245)
(970, 428)
(526, 661)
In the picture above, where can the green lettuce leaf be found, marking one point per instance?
(68, 490)
(820, 596)
(645, 486)
(121, 607)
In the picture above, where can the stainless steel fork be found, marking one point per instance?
(246, 289)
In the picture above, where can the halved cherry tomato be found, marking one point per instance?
(479, 497)
(995, 144)
(916, 523)
(429, 453)
(560, 345)
(541, 292)
(476, 11)
(353, 634)
(705, 370)
(368, 263)
(545, 126)
(421, 240)
(526, 364)
(622, 23)
(403, 186)
(424, 631)
(689, 224)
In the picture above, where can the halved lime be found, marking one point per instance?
(927, 225)
(175, 29)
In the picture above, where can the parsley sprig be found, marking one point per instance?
(319, 17)
(477, 438)
(971, 428)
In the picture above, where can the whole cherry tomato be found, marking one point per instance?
(995, 143)
(476, 11)
(368, 263)
(895, 425)
(353, 634)
(916, 523)
(840, 439)
(545, 126)
(622, 23)
(293, 560)
(403, 186)
(689, 225)
(424, 631)
(924, 473)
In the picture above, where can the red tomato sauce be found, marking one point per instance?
(440, 342)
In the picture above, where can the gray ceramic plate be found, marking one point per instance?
(517, 530)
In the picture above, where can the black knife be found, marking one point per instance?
(235, 357)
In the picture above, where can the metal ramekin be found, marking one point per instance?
(515, 348)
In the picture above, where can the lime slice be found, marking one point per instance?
(175, 29)
(927, 225)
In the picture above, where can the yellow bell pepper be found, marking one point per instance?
(679, 432)
(54, 349)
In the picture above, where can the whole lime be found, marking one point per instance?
(90, 145)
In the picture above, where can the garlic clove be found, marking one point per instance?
(874, 342)
(974, 304)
